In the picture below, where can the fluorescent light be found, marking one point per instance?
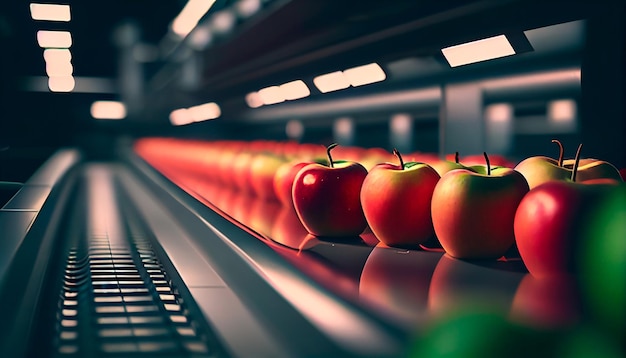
(54, 39)
(477, 51)
(254, 100)
(61, 84)
(190, 15)
(333, 81)
(204, 112)
(271, 95)
(50, 12)
(59, 69)
(366, 74)
(294, 90)
(199, 113)
(108, 110)
(54, 55)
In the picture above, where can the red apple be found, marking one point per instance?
(284, 177)
(549, 222)
(326, 198)
(396, 201)
(473, 211)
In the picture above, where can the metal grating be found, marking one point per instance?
(117, 300)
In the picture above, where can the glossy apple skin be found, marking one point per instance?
(593, 169)
(538, 170)
(473, 213)
(327, 199)
(396, 202)
(548, 225)
(283, 181)
(444, 166)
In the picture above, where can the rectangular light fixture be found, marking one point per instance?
(61, 84)
(108, 110)
(56, 55)
(54, 39)
(190, 15)
(271, 95)
(295, 90)
(478, 51)
(330, 82)
(364, 75)
(50, 12)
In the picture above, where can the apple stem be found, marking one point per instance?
(397, 154)
(456, 157)
(487, 161)
(560, 151)
(330, 159)
(576, 161)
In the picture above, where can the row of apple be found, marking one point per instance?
(479, 211)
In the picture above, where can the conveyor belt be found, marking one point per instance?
(107, 292)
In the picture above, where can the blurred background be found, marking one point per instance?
(416, 75)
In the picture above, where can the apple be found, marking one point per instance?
(473, 210)
(396, 201)
(327, 198)
(594, 169)
(603, 262)
(444, 166)
(549, 222)
(263, 168)
(480, 332)
(284, 177)
(539, 169)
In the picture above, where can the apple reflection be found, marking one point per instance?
(289, 231)
(397, 281)
(551, 301)
(456, 284)
(262, 215)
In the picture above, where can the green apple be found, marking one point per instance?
(590, 169)
(444, 166)
(540, 169)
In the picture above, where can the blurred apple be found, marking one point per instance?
(263, 168)
(289, 231)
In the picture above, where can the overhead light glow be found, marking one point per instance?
(366, 74)
(50, 12)
(190, 15)
(272, 95)
(108, 110)
(199, 113)
(223, 21)
(204, 112)
(59, 69)
(330, 82)
(247, 8)
(477, 51)
(61, 84)
(254, 100)
(54, 39)
(295, 90)
(56, 55)
(562, 111)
